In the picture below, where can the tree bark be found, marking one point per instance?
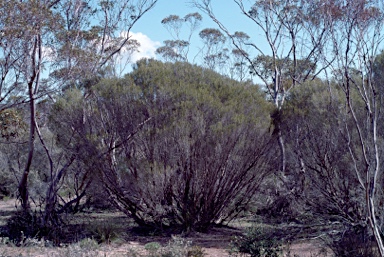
(23, 185)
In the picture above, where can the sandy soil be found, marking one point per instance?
(215, 244)
(302, 250)
(124, 249)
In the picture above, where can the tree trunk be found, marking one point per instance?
(23, 185)
(282, 152)
(32, 90)
(375, 227)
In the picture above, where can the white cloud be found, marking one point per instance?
(127, 57)
(147, 47)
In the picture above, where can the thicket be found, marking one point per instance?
(178, 146)
(172, 144)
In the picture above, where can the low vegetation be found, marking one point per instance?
(111, 233)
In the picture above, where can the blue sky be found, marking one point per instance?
(150, 32)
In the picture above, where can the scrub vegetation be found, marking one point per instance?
(287, 138)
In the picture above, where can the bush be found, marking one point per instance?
(354, 241)
(176, 247)
(105, 232)
(257, 243)
(195, 154)
(88, 244)
(195, 251)
(8, 181)
(152, 249)
(24, 225)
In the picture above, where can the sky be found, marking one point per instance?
(151, 33)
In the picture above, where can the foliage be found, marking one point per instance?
(321, 186)
(321, 143)
(105, 232)
(354, 241)
(174, 144)
(152, 248)
(69, 41)
(257, 242)
(24, 225)
(11, 124)
(8, 182)
(177, 48)
(176, 247)
(195, 251)
(377, 70)
(88, 244)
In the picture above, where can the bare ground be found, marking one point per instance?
(216, 243)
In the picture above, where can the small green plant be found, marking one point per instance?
(105, 232)
(176, 247)
(257, 243)
(153, 249)
(88, 244)
(180, 247)
(195, 251)
(77, 251)
(30, 242)
(5, 241)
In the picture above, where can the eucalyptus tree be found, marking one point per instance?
(326, 189)
(348, 125)
(213, 50)
(239, 69)
(45, 44)
(177, 48)
(292, 33)
(356, 37)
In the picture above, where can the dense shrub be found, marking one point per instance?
(173, 144)
(24, 225)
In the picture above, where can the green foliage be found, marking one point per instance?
(195, 251)
(105, 232)
(88, 244)
(176, 247)
(265, 65)
(313, 122)
(378, 71)
(7, 181)
(258, 243)
(27, 228)
(174, 135)
(152, 248)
